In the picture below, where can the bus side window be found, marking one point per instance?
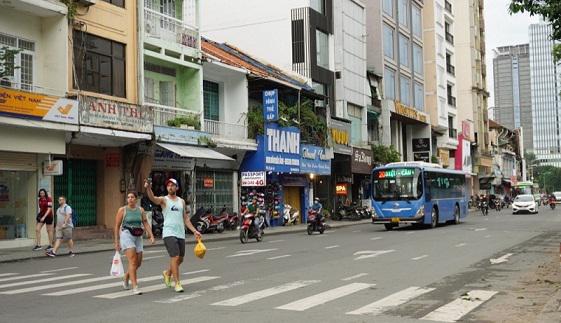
(419, 185)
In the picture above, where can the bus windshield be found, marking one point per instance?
(397, 184)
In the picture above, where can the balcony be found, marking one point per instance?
(451, 69)
(452, 100)
(38, 8)
(165, 115)
(448, 7)
(226, 130)
(452, 133)
(449, 38)
(170, 29)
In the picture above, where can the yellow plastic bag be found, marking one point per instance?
(200, 249)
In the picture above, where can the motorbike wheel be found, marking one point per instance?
(322, 229)
(310, 230)
(220, 228)
(243, 236)
(259, 237)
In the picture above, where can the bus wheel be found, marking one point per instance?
(457, 215)
(388, 226)
(433, 218)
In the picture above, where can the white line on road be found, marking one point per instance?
(355, 231)
(154, 257)
(354, 277)
(275, 241)
(410, 232)
(376, 238)
(236, 301)
(500, 259)
(392, 300)
(488, 236)
(461, 244)
(243, 253)
(420, 257)
(200, 293)
(50, 279)
(480, 229)
(22, 277)
(370, 253)
(279, 257)
(322, 298)
(154, 251)
(49, 286)
(61, 269)
(217, 248)
(7, 274)
(459, 307)
(331, 247)
(155, 287)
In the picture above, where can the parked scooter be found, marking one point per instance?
(315, 222)
(290, 216)
(248, 230)
(157, 222)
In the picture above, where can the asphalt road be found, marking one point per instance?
(354, 274)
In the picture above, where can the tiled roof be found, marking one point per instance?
(233, 56)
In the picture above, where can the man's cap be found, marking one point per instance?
(173, 181)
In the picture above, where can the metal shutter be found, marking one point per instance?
(18, 161)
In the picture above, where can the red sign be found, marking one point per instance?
(466, 129)
(208, 182)
(112, 160)
(341, 189)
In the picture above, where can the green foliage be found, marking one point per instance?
(384, 154)
(7, 61)
(434, 159)
(255, 121)
(548, 178)
(191, 121)
(550, 10)
(72, 8)
(206, 141)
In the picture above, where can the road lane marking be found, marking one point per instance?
(251, 252)
(354, 277)
(275, 241)
(331, 247)
(410, 232)
(420, 257)
(459, 307)
(390, 301)
(488, 236)
(61, 269)
(500, 259)
(279, 257)
(156, 287)
(322, 298)
(200, 293)
(154, 257)
(236, 301)
(461, 244)
(370, 253)
(22, 277)
(355, 231)
(110, 285)
(480, 229)
(217, 248)
(49, 286)
(376, 238)
(7, 274)
(154, 251)
(50, 279)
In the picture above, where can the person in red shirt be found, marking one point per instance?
(45, 216)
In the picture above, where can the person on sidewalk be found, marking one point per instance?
(176, 218)
(63, 229)
(44, 217)
(130, 224)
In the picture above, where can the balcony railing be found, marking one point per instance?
(226, 130)
(450, 38)
(452, 100)
(452, 133)
(450, 69)
(448, 6)
(163, 114)
(160, 26)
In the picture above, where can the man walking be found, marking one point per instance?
(64, 228)
(176, 218)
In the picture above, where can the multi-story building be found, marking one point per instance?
(395, 50)
(506, 148)
(472, 94)
(513, 103)
(440, 78)
(546, 83)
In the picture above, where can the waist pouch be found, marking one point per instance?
(137, 232)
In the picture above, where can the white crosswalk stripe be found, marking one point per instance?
(236, 301)
(7, 274)
(390, 301)
(50, 279)
(322, 298)
(23, 277)
(156, 287)
(459, 307)
(51, 286)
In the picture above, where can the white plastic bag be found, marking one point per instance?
(117, 269)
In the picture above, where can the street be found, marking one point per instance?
(359, 273)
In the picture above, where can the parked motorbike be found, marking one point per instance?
(290, 215)
(315, 222)
(248, 230)
(199, 221)
(157, 222)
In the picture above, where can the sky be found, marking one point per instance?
(502, 29)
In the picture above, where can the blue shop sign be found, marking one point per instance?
(282, 148)
(271, 105)
(314, 160)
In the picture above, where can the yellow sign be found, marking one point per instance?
(340, 137)
(38, 106)
(444, 157)
(409, 112)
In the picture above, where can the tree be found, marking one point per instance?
(550, 10)
(385, 154)
(7, 61)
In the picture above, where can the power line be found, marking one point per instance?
(245, 25)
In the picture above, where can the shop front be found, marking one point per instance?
(410, 133)
(341, 175)
(361, 166)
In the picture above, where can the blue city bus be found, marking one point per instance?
(418, 193)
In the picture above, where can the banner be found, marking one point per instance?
(15, 103)
(340, 133)
(282, 148)
(115, 115)
(361, 162)
(314, 160)
(254, 179)
(271, 105)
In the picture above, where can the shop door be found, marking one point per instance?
(292, 197)
(214, 190)
(79, 185)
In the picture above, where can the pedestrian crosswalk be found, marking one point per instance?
(211, 290)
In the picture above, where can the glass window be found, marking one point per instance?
(402, 9)
(419, 96)
(389, 83)
(18, 69)
(318, 5)
(397, 184)
(388, 41)
(322, 49)
(388, 7)
(405, 90)
(211, 101)
(14, 209)
(118, 3)
(417, 59)
(417, 21)
(355, 115)
(404, 51)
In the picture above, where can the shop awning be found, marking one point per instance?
(195, 152)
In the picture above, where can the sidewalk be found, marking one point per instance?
(98, 245)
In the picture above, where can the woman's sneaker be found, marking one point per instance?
(126, 284)
(136, 291)
(37, 248)
(49, 247)
(50, 253)
(178, 288)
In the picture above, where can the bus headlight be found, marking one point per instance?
(420, 212)
(374, 214)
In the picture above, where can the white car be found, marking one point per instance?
(524, 203)
(557, 197)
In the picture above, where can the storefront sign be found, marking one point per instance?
(112, 160)
(421, 144)
(116, 115)
(208, 182)
(271, 105)
(444, 157)
(179, 136)
(340, 133)
(341, 189)
(423, 156)
(282, 148)
(410, 113)
(168, 160)
(463, 155)
(52, 168)
(314, 160)
(361, 162)
(254, 179)
(16, 103)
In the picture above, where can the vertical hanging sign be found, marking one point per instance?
(271, 105)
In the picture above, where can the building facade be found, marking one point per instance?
(513, 102)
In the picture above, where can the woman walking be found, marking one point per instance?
(45, 216)
(130, 224)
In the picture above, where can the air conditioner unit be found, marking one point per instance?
(87, 3)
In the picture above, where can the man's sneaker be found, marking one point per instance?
(126, 284)
(50, 253)
(136, 291)
(178, 288)
(71, 254)
(167, 279)
(37, 248)
(49, 247)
